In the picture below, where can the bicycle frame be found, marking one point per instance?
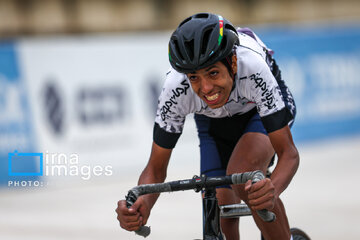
(211, 216)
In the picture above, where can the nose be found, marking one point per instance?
(206, 86)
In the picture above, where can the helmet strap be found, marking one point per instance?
(227, 61)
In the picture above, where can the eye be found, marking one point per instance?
(192, 78)
(213, 73)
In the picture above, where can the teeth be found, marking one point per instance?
(213, 97)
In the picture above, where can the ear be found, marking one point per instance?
(234, 64)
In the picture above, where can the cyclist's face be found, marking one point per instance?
(213, 84)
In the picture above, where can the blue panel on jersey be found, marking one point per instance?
(321, 66)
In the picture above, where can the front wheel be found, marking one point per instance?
(298, 234)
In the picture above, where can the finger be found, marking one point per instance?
(261, 192)
(256, 186)
(248, 185)
(128, 222)
(129, 218)
(123, 210)
(267, 205)
(131, 226)
(145, 219)
(135, 207)
(264, 202)
(136, 224)
(144, 213)
(267, 188)
(121, 204)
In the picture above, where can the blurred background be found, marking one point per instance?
(79, 82)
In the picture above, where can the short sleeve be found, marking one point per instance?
(260, 87)
(171, 112)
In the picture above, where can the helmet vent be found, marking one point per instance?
(185, 21)
(229, 26)
(205, 41)
(201, 15)
(176, 44)
(189, 46)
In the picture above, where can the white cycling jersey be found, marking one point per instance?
(254, 86)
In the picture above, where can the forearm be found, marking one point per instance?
(155, 171)
(147, 177)
(285, 170)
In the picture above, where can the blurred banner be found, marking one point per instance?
(321, 66)
(16, 126)
(92, 100)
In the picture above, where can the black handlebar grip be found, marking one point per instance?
(143, 231)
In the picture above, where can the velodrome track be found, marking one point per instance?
(323, 199)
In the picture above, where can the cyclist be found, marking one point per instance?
(243, 112)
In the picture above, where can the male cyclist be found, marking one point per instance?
(243, 112)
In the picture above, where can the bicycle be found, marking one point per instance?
(212, 212)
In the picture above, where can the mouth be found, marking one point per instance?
(212, 99)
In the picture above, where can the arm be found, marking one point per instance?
(288, 156)
(263, 194)
(262, 88)
(155, 172)
(167, 129)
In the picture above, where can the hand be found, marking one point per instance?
(131, 219)
(261, 195)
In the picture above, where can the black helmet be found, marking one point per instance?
(200, 41)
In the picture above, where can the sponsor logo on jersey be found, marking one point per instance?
(268, 96)
(177, 92)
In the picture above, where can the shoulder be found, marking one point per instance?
(175, 102)
(253, 73)
(250, 61)
(250, 43)
(176, 95)
(174, 79)
(176, 85)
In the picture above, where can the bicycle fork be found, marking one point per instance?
(211, 216)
